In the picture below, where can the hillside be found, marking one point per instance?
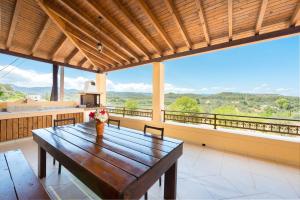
(267, 105)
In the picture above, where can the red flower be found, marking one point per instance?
(92, 115)
(102, 112)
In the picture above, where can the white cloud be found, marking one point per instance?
(143, 87)
(30, 78)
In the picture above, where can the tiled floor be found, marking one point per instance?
(203, 174)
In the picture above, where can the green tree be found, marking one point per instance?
(185, 104)
(226, 109)
(131, 104)
(283, 103)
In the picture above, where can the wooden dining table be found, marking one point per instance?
(122, 164)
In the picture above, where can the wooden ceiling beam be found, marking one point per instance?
(203, 22)
(137, 25)
(95, 24)
(99, 62)
(13, 23)
(95, 53)
(41, 35)
(296, 16)
(81, 29)
(156, 24)
(71, 55)
(31, 57)
(125, 33)
(82, 61)
(230, 18)
(61, 25)
(261, 15)
(92, 44)
(59, 46)
(172, 9)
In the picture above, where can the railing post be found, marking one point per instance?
(215, 121)
(123, 111)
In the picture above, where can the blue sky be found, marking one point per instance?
(268, 67)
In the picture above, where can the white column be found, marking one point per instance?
(62, 84)
(101, 87)
(158, 91)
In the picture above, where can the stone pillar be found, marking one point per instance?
(158, 91)
(101, 86)
(62, 84)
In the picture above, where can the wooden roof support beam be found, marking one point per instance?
(296, 16)
(59, 46)
(13, 23)
(79, 29)
(95, 53)
(61, 25)
(92, 44)
(71, 55)
(137, 25)
(44, 29)
(178, 22)
(96, 60)
(97, 7)
(156, 24)
(95, 24)
(261, 14)
(203, 23)
(82, 61)
(230, 17)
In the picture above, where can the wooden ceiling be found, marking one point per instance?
(135, 32)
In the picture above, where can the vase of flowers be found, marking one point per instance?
(100, 116)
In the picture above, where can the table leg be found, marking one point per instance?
(41, 162)
(171, 182)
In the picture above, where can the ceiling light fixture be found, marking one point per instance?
(99, 47)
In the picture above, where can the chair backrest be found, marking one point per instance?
(56, 121)
(114, 120)
(155, 128)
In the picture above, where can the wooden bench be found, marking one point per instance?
(18, 180)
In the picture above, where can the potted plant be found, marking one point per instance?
(100, 116)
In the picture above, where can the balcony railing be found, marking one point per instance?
(129, 112)
(264, 124)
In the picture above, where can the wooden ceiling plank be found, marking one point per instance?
(137, 25)
(59, 46)
(156, 24)
(172, 9)
(71, 55)
(296, 16)
(230, 18)
(61, 25)
(13, 23)
(97, 7)
(86, 18)
(41, 35)
(261, 15)
(203, 22)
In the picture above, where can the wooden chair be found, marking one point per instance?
(161, 137)
(115, 121)
(56, 123)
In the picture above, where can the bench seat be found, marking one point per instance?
(17, 179)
